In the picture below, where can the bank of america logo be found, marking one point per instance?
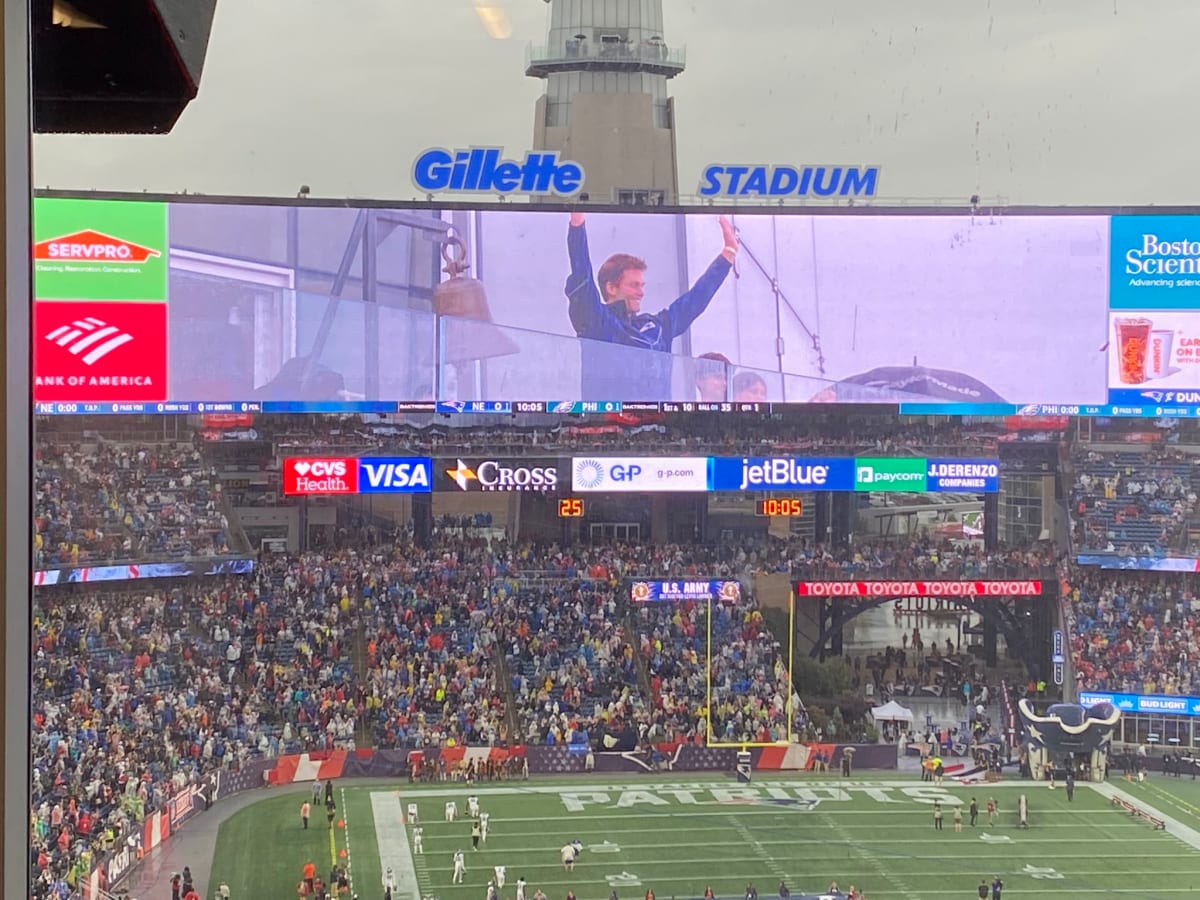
(92, 337)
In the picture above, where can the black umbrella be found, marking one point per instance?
(909, 383)
(298, 381)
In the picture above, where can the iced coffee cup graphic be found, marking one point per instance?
(1158, 356)
(1133, 340)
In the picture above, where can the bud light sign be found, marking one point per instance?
(483, 170)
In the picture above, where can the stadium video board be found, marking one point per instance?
(197, 306)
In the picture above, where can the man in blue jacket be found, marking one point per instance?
(607, 309)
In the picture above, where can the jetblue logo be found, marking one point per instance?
(483, 169)
(785, 472)
(789, 181)
(395, 476)
(782, 473)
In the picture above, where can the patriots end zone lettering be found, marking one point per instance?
(805, 798)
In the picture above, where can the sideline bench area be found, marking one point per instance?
(1138, 812)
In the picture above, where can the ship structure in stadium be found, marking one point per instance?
(606, 67)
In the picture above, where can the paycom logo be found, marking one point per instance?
(890, 475)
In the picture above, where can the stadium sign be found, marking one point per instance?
(1032, 588)
(782, 473)
(305, 477)
(400, 475)
(312, 476)
(667, 591)
(970, 475)
(640, 474)
(100, 250)
(483, 169)
(890, 474)
(496, 475)
(1143, 703)
(92, 351)
(92, 246)
(724, 180)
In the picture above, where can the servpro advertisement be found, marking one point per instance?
(99, 250)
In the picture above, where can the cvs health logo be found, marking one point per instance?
(401, 475)
(100, 352)
(320, 476)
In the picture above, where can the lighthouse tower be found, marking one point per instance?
(606, 65)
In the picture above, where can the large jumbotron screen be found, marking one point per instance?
(156, 306)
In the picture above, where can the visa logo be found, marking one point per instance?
(407, 476)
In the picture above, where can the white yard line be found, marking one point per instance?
(868, 859)
(346, 828)
(1175, 828)
(759, 850)
(391, 837)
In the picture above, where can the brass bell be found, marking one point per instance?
(460, 298)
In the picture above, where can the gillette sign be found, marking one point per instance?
(782, 474)
(484, 170)
(350, 475)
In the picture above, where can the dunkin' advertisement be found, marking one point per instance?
(1154, 356)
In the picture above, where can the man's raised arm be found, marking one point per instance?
(584, 303)
(684, 311)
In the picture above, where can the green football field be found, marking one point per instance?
(678, 836)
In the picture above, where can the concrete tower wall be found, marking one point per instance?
(606, 64)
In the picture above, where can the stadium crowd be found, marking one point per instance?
(108, 502)
(139, 691)
(1136, 503)
(629, 432)
(1134, 632)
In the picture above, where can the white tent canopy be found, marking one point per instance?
(891, 712)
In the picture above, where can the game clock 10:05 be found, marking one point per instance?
(570, 508)
(779, 506)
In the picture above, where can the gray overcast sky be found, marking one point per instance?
(1037, 101)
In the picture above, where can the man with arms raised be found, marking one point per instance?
(607, 309)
